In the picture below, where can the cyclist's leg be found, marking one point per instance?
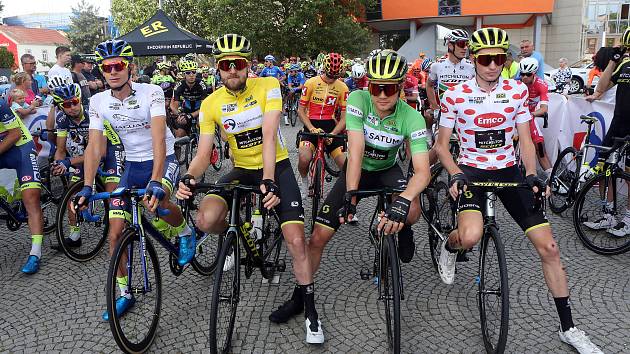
(305, 155)
(335, 150)
(214, 208)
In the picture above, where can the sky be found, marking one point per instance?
(16, 7)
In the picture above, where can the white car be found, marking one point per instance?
(579, 77)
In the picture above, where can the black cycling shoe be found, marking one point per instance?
(285, 312)
(72, 243)
(406, 247)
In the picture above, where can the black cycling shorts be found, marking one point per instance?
(328, 214)
(290, 209)
(327, 126)
(518, 202)
(618, 129)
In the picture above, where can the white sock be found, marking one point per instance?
(36, 245)
(75, 233)
(186, 231)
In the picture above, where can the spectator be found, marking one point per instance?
(596, 71)
(19, 105)
(38, 82)
(95, 84)
(527, 50)
(510, 69)
(76, 63)
(23, 82)
(59, 69)
(562, 77)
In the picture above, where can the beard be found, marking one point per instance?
(235, 84)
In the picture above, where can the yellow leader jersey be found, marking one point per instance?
(241, 117)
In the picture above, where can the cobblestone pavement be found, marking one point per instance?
(59, 309)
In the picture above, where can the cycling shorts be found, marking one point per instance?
(290, 210)
(138, 175)
(328, 214)
(23, 159)
(112, 165)
(518, 202)
(336, 146)
(536, 132)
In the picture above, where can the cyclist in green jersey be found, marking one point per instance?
(207, 78)
(164, 80)
(378, 122)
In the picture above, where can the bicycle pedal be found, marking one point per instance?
(365, 274)
(328, 178)
(281, 266)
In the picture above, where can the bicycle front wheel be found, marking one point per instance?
(493, 297)
(596, 206)
(92, 233)
(217, 161)
(225, 295)
(390, 292)
(562, 178)
(134, 331)
(443, 218)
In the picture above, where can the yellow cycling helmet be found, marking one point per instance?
(231, 44)
(163, 65)
(491, 37)
(387, 65)
(187, 66)
(625, 38)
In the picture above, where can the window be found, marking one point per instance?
(44, 55)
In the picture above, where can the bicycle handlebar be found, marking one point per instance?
(220, 187)
(373, 192)
(323, 135)
(123, 192)
(539, 197)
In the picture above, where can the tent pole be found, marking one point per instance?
(160, 7)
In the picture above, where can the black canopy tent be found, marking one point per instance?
(159, 35)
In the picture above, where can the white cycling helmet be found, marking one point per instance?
(528, 65)
(57, 81)
(358, 71)
(456, 35)
(4, 80)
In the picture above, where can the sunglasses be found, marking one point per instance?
(118, 66)
(388, 89)
(485, 59)
(227, 64)
(527, 74)
(30, 63)
(71, 102)
(189, 73)
(462, 43)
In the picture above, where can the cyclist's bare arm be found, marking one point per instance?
(201, 161)
(356, 147)
(528, 150)
(304, 118)
(442, 148)
(270, 126)
(174, 106)
(431, 95)
(421, 176)
(341, 125)
(61, 153)
(9, 141)
(541, 111)
(93, 153)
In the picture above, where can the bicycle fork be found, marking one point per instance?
(135, 207)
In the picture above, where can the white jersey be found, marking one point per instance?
(131, 119)
(57, 70)
(485, 121)
(447, 74)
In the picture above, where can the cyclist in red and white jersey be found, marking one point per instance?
(537, 102)
(486, 111)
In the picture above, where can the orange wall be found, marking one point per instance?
(404, 9)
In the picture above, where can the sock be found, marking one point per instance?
(75, 233)
(36, 245)
(163, 227)
(308, 294)
(183, 229)
(122, 285)
(297, 294)
(449, 248)
(564, 311)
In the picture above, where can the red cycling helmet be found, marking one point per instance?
(332, 64)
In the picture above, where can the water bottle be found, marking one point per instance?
(257, 225)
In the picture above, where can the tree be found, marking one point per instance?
(283, 27)
(87, 29)
(1, 6)
(7, 60)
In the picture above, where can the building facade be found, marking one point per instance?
(41, 43)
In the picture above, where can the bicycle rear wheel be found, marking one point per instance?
(591, 207)
(390, 292)
(134, 332)
(93, 233)
(205, 260)
(53, 188)
(225, 296)
(562, 178)
(493, 297)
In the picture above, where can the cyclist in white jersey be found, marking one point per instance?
(137, 113)
(486, 112)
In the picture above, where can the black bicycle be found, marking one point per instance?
(261, 251)
(602, 198)
(292, 108)
(386, 266)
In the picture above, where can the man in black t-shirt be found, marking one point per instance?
(187, 97)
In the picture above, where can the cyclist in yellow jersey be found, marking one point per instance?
(248, 111)
(17, 151)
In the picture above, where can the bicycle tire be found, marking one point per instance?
(293, 113)
(598, 241)
(494, 337)
(218, 145)
(270, 245)
(562, 178)
(218, 296)
(390, 287)
(91, 240)
(128, 248)
(317, 192)
(443, 218)
(205, 261)
(53, 188)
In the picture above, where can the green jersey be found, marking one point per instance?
(158, 79)
(383, 137)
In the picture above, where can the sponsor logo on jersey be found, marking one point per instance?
(26, 178)
(422, 133)
(501, 95)
(230, 107)
(249, 98)
(114, 106)
(247, 119)
(354, 111)
(331, 100)
(476, 100)
(373, 120)
(295, 203)
(489, 120)
(304, 91)
(502, 101)
(380, 138)
(274, 93)
(375, 154)
(252, 103)
(248, 138)
(229, 124)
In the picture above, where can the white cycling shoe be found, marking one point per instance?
(314, 337)
(579, 340)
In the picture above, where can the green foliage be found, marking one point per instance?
(7, 60)
(282, 27)
(87, 29)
